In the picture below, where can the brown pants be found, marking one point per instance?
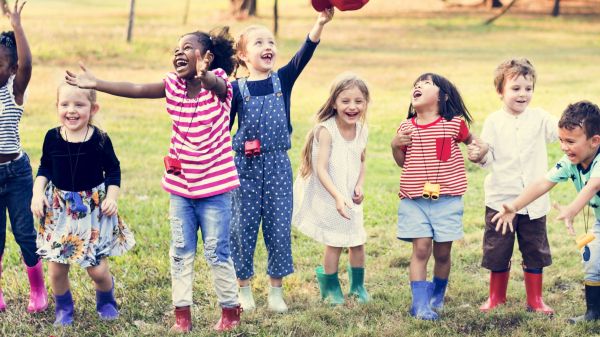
(532, 237)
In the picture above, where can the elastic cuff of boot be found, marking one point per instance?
(501, 270)
(439, 281)
(534, 270)
(64, 298)
(420, 284)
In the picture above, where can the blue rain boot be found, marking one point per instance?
(106, 305)
(357, 284)
(439, 291)
(421, 295)
(64, 309)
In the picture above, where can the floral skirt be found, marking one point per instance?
(84, 236)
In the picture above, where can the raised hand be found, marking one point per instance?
(504, 218)
(565, 214)
(325, 16)
(87, 80)
(15, 15)
(202, 63)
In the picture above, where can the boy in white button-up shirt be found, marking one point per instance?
(517, 137)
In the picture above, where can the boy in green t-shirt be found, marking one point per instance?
(579, 134)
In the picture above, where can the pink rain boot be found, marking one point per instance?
(38, 297)
(2, 303)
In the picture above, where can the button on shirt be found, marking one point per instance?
(517, 156)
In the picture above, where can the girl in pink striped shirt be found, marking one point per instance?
(432, 184)
(199, 168)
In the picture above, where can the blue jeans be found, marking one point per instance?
(212, 216)
(16, 190)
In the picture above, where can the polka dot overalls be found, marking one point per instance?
(266, 184)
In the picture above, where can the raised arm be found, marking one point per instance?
(87, 80)
(23, 73)
(324, 17)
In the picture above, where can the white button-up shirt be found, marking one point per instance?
(517, 156)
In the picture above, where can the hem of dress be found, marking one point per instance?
(323, 237)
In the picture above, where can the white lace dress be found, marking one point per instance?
(314, 208)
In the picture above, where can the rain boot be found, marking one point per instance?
(64, 309)
(421, 297)
(439, 291)
(2, 303)
(356, 276)
(275, 300)
(230, 318)
(498, 286)
(592, 300)
(183, 320)
(106, 305)
(329, 285)
(38, 297)
(246, 298)
(533, 289)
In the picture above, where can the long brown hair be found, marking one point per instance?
(343, 82)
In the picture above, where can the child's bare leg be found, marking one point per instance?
(276, 282)
(101, 276)
(441, 256)
(331, 259)
(59, 277)
(419, 258)
(356, 256)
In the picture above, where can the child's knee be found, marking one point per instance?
(421, 252)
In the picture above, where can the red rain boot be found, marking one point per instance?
(2, 303)
(38, 297)
(533, 289)
(498, 285)
(183, 320)
(230, 318)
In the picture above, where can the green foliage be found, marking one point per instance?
(389, 49)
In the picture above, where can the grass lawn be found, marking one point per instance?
(389, 48)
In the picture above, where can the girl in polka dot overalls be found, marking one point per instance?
(328, 192)
(262, 103)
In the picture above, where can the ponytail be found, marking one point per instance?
(220, 43)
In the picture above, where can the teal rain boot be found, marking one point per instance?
(357, 282)
(329, 285)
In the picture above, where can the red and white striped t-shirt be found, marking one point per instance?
(434, 156)
(201, 140)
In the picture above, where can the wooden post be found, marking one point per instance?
(275, 18)
(131, 17)
(556, 8)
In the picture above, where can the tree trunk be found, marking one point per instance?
(556, 9)
(131, 17)
(275, 18)
(241, 9)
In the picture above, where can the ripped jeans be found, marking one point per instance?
(212, 216)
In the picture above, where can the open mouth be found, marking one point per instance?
(267, 57)
(417, 94)
(180, 64)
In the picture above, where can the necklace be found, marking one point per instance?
(76, 203)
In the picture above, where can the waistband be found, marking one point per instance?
(10, 160)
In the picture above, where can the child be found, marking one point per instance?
(199, 167)
(15, 170)
(579, 134)
(517, 138)
(331, 177)
(262, 103)
(432, 184)
(80, 174)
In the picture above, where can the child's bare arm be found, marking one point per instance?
(324, 17)
(209, 80)
(583, 197)
(87, 80)
(323, 154)
(359, 195)
(23, 74)
(401, 140)
(109, 205)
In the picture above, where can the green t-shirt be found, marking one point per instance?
(565, 170)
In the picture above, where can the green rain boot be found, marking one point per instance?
(357, 284)
(329, 285)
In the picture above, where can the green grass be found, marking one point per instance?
(389, 49)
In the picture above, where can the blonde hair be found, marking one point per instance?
(511, 69)
(343, 82)
(91, 95)
(242, 42)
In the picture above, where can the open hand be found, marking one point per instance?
(342, 205)
(15, 15)
(87, 80)
(504, 218)
(109, 207)
(325, 16)
(202, 63)
(358, 195)
(565, 214)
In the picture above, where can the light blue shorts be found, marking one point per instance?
(591, 260)
(425, 218)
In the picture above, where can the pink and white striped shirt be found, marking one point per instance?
(200, 140)
(434, 156)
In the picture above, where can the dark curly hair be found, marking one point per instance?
(220, 43)
(7, 40)
(583, 114)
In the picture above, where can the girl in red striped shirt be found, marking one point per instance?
(431, 186)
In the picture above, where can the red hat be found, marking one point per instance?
(343, 5)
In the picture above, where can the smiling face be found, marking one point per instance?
(184, 56)
(350, 105)
(75, 108)
(517, 93)
(259, 52)
(425, 95)
(577, 146)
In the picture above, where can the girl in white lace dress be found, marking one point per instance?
(328, 191)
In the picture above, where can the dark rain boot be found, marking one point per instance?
(533, 289)
(592, 300)
(329, 285)
(421, 297)
(498, 286)
(356, 275)
(64, 309)
(106, 305)
(439, 291)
